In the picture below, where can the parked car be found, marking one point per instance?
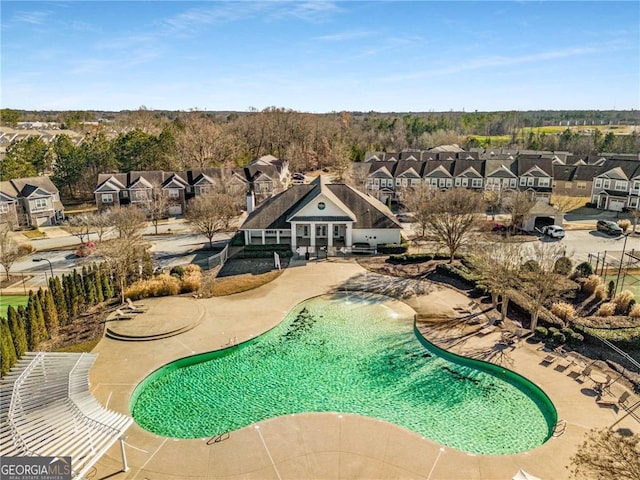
(86, 249)
(609, 227)
(499, 228)
(405, 217)
(554, 231)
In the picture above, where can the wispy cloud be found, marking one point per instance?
(219, 13)
(309, 11)
(495, 62)
(34, 18)
(223, 12)
(342, 36)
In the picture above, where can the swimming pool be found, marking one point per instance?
(355, 353)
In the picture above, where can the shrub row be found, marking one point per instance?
(461, 273)
(263, 254)
(559, 336)
(181, 280)
(419, 257)
(391, 248)
(237, 240)
(268, 247)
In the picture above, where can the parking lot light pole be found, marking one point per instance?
(624, 247)
(40, 259)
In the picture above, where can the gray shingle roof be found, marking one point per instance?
(272, 214)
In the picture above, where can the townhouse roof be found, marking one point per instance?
(403, 166)
(444, 166)
(463, 165)
(31, 187)
(525, 164)
(21, 187)
(628, 168)
(509, 165)
(6, 198)
(453, 148)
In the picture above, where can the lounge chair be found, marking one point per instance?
(120, 315)
(606, 387)
(586, 371)
(135, 308)
(487, 329)
(622, 401)
(549, 359)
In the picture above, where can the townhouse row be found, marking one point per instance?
(611, 183)
(264, 177)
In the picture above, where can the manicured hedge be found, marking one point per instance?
(419, 257)
(237, 240)
(390, 248)
(268, 247)
(461, 273)
(263, 254)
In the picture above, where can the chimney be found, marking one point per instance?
(251, 201)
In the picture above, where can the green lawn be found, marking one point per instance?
(15, 300)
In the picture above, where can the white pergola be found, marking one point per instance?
(46, 410)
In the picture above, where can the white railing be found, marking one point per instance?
(218, 258)
(46, 409)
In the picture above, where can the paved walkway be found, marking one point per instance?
(323, 445)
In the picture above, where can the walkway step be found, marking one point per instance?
(145, 338)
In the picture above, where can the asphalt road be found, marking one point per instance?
(166, 251)
(580, 243)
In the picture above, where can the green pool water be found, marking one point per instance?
(353, 354)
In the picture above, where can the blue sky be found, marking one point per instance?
(320, 56)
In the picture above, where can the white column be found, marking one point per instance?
(349, 236)
(263, 242)
(330, 234)
(247, 237)
(293, 237)
(312, 242)
(278, 236)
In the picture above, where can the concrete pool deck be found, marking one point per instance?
(325, 445)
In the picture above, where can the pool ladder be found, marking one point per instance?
(218, 438)
(559, 429)
(232, 341)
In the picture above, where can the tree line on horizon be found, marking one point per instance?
(174, 141)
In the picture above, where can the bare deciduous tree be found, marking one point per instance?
(417, 199)
(123, 256)
(201, 143)
(538, 279)
(213, 212)
(128, 221)
(519, 204)
(158, 207)
(356, 176)
(494, 200)
(80, 226)
(100, 223)
(605, 455)
(10, 251)
(498, 264)
(446, 217)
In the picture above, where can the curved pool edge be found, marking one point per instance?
(515, 379)
(532, 389)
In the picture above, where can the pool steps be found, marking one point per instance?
(145, 338)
